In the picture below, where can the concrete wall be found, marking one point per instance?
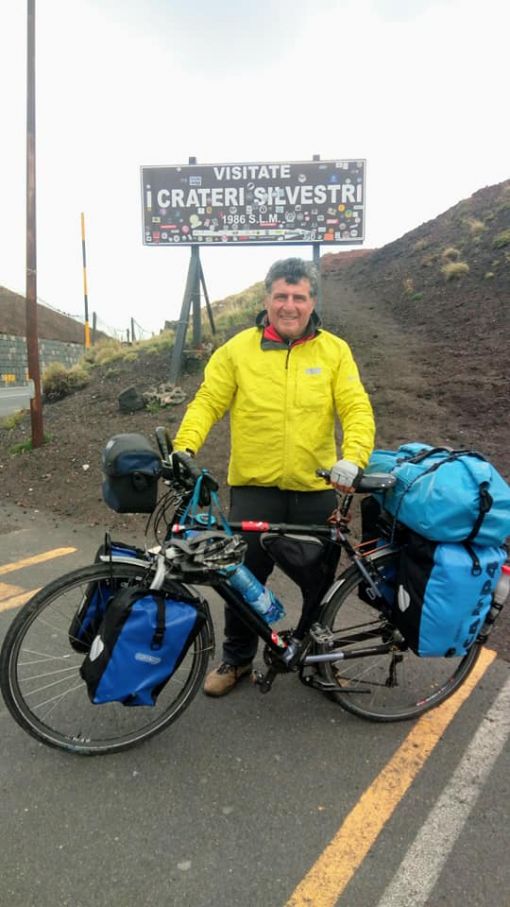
(13, 357)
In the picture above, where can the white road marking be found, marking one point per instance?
(420, 870)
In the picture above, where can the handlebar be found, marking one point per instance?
(367, 483)
(179, 466)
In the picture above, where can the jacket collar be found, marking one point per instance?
(271, 340)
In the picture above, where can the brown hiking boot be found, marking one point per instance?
(224, 678)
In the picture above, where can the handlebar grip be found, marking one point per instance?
(164, 441)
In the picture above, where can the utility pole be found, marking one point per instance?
(31, 239)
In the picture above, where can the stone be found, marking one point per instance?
(130, 401)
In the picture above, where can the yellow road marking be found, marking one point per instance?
(7, 591)
(332, 872)
(35, 559)
(16, 600)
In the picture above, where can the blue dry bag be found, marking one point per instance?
(445, 495)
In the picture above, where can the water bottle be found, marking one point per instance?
(502, 586)
(257, 596)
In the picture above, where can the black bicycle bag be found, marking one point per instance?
(131, 469)
(309, 562)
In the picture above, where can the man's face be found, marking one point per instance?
(289, 306)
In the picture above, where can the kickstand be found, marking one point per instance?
(312, 680)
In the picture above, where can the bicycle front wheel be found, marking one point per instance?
(42, 686)
(393, 686)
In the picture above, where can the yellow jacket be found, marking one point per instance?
(282, 403)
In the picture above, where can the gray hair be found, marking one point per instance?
(292, 270)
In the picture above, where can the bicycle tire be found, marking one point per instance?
(53, 705)
(364, 684)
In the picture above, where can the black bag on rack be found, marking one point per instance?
(310, 563)
(131, 469)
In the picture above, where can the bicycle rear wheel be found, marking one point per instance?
(42, 686)
(394, 686)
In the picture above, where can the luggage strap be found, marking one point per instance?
(159, 632)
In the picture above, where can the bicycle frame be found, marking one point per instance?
(289, 655)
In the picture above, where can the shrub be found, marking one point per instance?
(13, 420)
(489, 275)
(408, 285)
(58, 381)
(502, 239)
(78, 377)
(416, 297)
(158, 343)
(475, 226)
(450, 254)
(107, 351)
(453, 270)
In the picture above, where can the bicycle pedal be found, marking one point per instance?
(263, 681)
(322, 636)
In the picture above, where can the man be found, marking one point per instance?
(283, 381)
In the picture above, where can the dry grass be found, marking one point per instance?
(450, 254)
(475, 226)
(454, 270)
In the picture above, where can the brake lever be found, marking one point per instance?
(186, 471)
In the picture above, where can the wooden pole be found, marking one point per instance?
(85, 292)
(31, 240)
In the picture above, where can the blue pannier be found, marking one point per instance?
(90, 612)
(445, 495)
(444, 593)
(142, 639)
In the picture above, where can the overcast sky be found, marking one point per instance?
(418, 88)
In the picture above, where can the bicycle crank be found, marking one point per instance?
(264, 681)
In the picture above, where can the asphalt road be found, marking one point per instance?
(254, 800)
(14, 397)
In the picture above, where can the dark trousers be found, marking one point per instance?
(250, 502)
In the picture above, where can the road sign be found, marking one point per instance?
(257, 204)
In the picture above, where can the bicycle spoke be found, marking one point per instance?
(395, 685)
(40, 672)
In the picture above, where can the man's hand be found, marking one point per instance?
(344, 475)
